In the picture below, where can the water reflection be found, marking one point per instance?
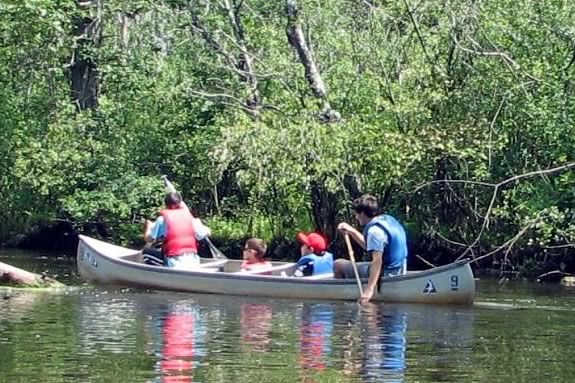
(179, 337)
(107, 323)
(316, 328)
(384, 349)
(163, 337)
(255, 326)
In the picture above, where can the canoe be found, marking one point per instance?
(107, 264)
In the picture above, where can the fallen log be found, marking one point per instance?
(13, 276)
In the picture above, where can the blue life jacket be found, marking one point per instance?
(395, 252)
(313, 264)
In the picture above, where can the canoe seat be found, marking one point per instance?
(321, 276)
(212, 270)
(274, 270)
(213, 264)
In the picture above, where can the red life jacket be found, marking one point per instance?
(180, 234)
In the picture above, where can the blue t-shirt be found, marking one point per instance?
(376, 239)
(158, 230)
(312, 264)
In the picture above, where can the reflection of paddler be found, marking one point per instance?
(178, 347)
(385, 344)
(315, 336)
(256, 323)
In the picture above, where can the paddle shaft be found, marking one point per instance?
(353, 264)
(170, 186)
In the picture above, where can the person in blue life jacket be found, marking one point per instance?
(315, 260)
(384, 239)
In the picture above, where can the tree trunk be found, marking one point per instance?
(84, 82)
(324, 209)
(352, 185)
(13, 276)
(297, 40)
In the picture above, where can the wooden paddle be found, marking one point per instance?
(216, 253)
(354, 265)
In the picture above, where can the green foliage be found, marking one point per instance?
(427, 92)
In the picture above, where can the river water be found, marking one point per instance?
(516, 332)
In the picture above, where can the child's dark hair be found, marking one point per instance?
(172, 200)
(366, 204)
(259, 245)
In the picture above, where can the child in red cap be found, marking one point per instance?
(315, 260)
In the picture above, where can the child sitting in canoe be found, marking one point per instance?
(315, 260)
(254, 253)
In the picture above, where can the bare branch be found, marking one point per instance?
(220, 97)
(243, 65)
(508, 244)
(483, 226)
(449, 240)
(198, 27)
(297, 39)
(479, 183)
(512, 64)
(491, 126)
(554, 272)
(566, 246)
(424, 260)
(245, 62)
(494, 197)
(496, 188)
(417, 31)
(537, 173)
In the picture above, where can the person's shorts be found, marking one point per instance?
(153, 256)
(186, 261)
(363, 270)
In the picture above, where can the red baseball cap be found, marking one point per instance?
(315, 240)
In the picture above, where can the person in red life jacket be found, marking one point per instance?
(254, 254)
(179, 232)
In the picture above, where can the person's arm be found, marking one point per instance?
(154, 230)
(354, 233)
(374, 273)
(201, 231)
(376, 242)
(148, 231)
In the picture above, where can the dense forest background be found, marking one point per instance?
(271, 116)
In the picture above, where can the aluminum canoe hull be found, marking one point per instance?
(107, 264)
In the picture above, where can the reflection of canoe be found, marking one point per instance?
(105, 263)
